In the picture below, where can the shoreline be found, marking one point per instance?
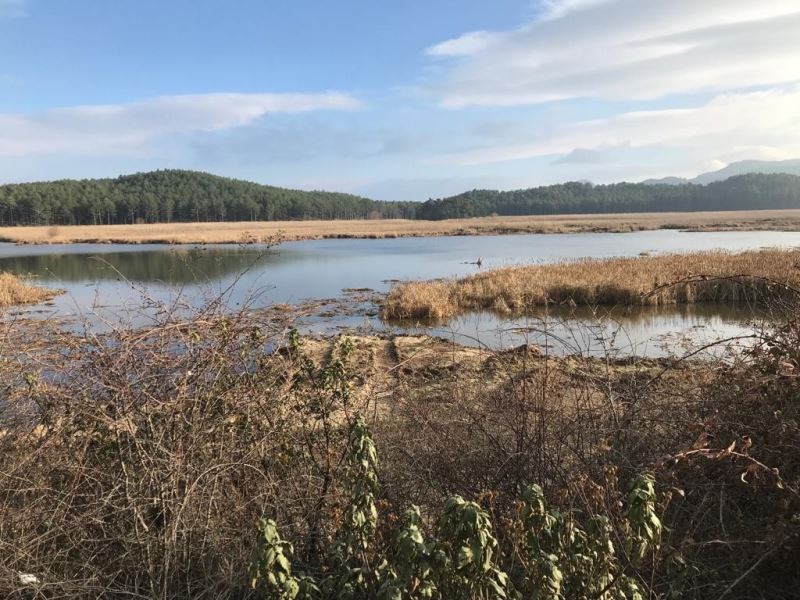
(284, 231)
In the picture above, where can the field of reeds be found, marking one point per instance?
(244, 232)
(650, 280)
(14, 291)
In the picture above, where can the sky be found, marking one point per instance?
(400, 100)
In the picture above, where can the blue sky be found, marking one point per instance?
(396, 100)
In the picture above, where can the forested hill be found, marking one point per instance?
(173, 195)
(743, 192)
(185, 196)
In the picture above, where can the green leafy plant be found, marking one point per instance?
(271, 569)
(644, 526)
(467, 553)
(352, 572)
(558, 555)
(562, 558)
(540, 547)
(409, 574)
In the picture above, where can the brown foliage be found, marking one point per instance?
(137, 463)
(14, 290)
(232, 233)
(654, 280)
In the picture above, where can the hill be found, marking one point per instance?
(667, 181)
(790, 167)
(179, 196)
(172, 196)
(742, 167)
(743, 192)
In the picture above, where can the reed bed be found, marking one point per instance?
(648, 281)
(14, 291)
(252, 232)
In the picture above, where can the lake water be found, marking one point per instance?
(107, 283)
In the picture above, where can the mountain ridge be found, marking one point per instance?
(741, 167)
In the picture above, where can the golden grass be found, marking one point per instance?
(14, 291)
(219, 233)
(702, 277)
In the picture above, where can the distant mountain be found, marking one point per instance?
(666, 181)
(742, 167)
(790, 167)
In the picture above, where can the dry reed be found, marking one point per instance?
(234, 233)
(653, 280)
(14, 291)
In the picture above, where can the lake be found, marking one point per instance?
(109, 284)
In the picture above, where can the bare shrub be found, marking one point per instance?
(138, 463)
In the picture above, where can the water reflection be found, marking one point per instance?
(646, 331)
(111, 283)
(174, 266)
(651, 331)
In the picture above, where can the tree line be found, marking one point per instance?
(743, 192)
(179, 196)
(184, 196)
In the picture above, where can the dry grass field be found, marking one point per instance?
(244, 232)
(14, 291)
(698, 277)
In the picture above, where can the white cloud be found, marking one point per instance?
(625, 49)
(729, 127)
(127, 128)
(12, 8)
(469, 43)
(555, 9)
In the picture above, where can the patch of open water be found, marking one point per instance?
(109, 284)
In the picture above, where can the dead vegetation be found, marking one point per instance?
(136, 464)
(255, 232)
(642, 281)
(15, 291)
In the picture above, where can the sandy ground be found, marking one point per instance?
(388, 369)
